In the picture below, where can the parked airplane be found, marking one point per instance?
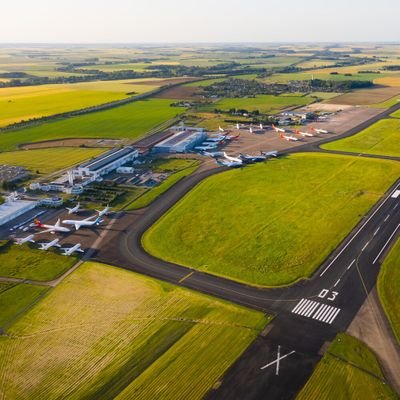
(214, 154)
(74, 209)
(206, 148)
(84, 222)
(289, 138)
(261, 126)
(232, 164)
(237, 126)
(277, 129)
(250, 158)
(251, 129)
(46, 246)
(51, 228)
(232, 159)
(71, 250)
(25, 239)
(297, 132)
(318, 130)
(104, 211)
(273, 153)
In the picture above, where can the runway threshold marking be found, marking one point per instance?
(315, 310)
(185, 277)
(278, 359)
(359, 230)
(385, 245)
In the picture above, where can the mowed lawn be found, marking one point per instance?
(128, 121)
(263, 103)
(349, 370)
(389, 288)
(382, 138)
(107, 333)
(27, 262)
(274, 223)
(49, 160)
(23, 103)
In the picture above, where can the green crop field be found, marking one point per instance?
(321, 74)
(349, 370)
(263, 103)
(108, 333)
(29, 263)
(15, 299)
(49, 160)
(24, 103)
(396, 114)
(130, 121)
(257, 224)
(389, 288)
(380, 138)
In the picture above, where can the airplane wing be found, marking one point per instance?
(45, 231)
(77, 226)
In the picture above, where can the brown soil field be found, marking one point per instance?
(179, 93)
(366, 96)
(163, 82)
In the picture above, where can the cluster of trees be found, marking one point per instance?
(320, 85)
(391, 67)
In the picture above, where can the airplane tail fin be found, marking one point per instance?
(37, 222)
(58, 222)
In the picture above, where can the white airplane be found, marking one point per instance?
(214, 154)
(206, 148)
(46, 246)
(304, 134)
(221, 129)
(237, 126)
(25, 239)
(51, 228)
(104, 211)
(232, 164)
(273, 153)
(289, 138)
(251, 129)
(261, 126)
(84, 222)
(276, 129)
(74, 209)
(232, 159)
(250, 158)
(70, 250)
(318, 130)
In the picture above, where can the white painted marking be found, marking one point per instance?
(320, 311)
(277, 361)
(351, 264)
(354, 236)
(365, 246)
(329, 314)
(332, 318)
(325, 313)
(311, 310)
(337, 282)
(279, 358)
(307, 309)
(299, 304)
(396, 194)
(377, 231)
(387, 217)
(395, 206)
(385, 245)
(304, 307)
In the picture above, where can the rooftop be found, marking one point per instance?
(107, 158)
(11, 207)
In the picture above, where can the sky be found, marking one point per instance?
(179, 21)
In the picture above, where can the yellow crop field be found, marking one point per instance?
(108, 333)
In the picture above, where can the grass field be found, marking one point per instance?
(349, 370)
(389, 288)
(381, 138)
(396, 114)
(263, 103)
(257, 224)
(182, 167)
(23, 103)
(49, 160)
(15, 299)
(128, 121)
(29, 263)
(107, 333)
(321, 74)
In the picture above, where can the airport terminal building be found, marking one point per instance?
(182, 141)
(12, 209)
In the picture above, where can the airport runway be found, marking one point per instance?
(307, 314)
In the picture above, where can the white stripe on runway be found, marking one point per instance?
(315, 310)
(384, 246)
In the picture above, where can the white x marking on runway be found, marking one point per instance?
(278, 359)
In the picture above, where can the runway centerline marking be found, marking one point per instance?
(387, 217)
(186, 276)
(337, 282)
(351, 264)
(359, 230)
(278, 359)
(385, 245)
(365, 246)
(377, 231)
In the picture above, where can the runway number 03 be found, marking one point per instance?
(324, 292)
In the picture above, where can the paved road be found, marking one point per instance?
(307, 314)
